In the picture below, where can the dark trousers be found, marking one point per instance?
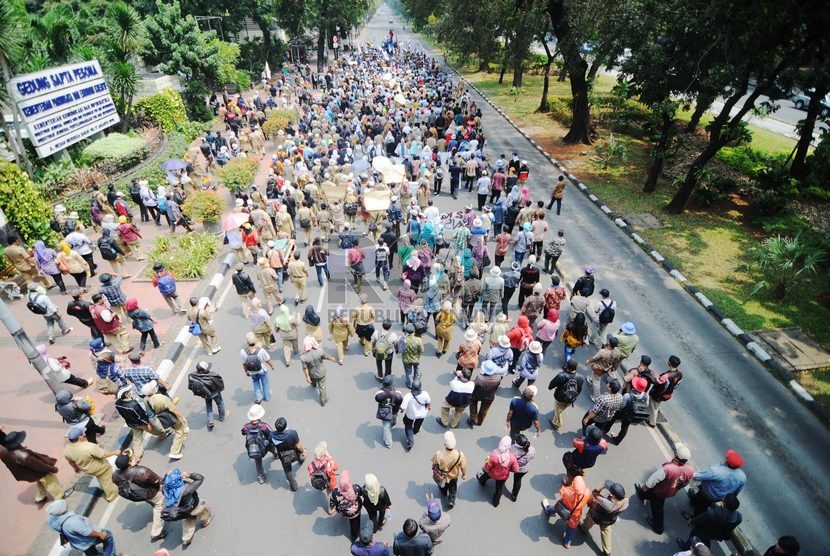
(482, 199)
(377, 515)
(517, 484)
(411, 428)
(516, 354)
(93, 330)
(155, 214)
(657, 503)
(449, 490)
(58, 278)
(143, 210)
(75, 381)
(80, 279)
(383, 363)
(482, 480)
(625, 422)
(505, 301)
(454, 189)
(700, 502)
(498, 260)
(494, 195)
(478, 410)
(524, 293)
(93, 430)
(550, 263)
(436, 186)
(354, 527)
(468, 182)
(91, 262)
(537, 249)
(142, 345)
(558, 205)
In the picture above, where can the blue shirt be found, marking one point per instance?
(524, 413)
(140, 375)
(75, 528)
(720, 480)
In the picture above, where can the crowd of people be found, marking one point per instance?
(480, 272)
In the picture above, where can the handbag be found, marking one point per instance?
(439, 475)
(106, 386)
(194, 327)
(63, 267)
(167, 419)
(562, 510)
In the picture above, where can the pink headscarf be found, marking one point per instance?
(310, 343)
(524, 196)
(346, 488)
(503, 451)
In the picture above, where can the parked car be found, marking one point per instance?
(802, 101)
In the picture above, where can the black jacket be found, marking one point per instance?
(243, 283)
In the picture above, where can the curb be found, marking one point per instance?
(743, 338)
(91, 496)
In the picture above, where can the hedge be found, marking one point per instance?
(165, 109)
(115, 152)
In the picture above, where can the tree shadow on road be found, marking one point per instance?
(370, 434)
(304, 392)
(547, 484)
(366, 381)
(307, 500)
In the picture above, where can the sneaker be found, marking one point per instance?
(261, 479)
(175, 456)
(68, 492)
(68, 330)
(158, 537)
(51, 340)
(210, 425)
(217, 349)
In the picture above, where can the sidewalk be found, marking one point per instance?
(28, 403)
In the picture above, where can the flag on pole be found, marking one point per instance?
(267, 71)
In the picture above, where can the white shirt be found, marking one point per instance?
(262, 354)
(79, 243)
(415, 407)
(432, 214)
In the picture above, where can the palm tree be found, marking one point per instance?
(12, 32)
(783, 262)
(122, 44)
(56, 29)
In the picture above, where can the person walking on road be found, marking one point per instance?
(169, 415)
(716, 523)
(604, 312)
(574, 495)
(201, 314)
(553, 250)
(364, 327)
(587, 448)
(288, 449)
(40, 304)
(530, 361)
(181, 491)
(32, 467)
(77, 412)
(605, 407)
(79, 308)
(574, 336)
(89, 458)
(109, 323)
(139, 418)
(340, 331)
(60, 367)
(448, 464)
(257, 435)
(484, 391)
(411, 348)
(137, 483)
(411, 543)
(663, 389)
(525, 453)
(254, 360)
(347, 500)
(322, 470)
(208, 385)
(164, 280)
(78, 531)
(434, 522)
(383, 345)
(288, 326)
(523, 413)
(634, 409)
(498, 466)
(557, 194)
(585, 281)
(671, 478)
(604, 364)
(458, 398)
(566, 386)
(313, 359)
(717, 482)
(376, 501)
(144, 323)
(389, 402)
(416, 405)
(244, 287)
(605, 505)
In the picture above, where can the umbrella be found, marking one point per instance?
(234, 220)
(360, 165)
(174, 164)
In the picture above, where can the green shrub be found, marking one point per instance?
(767, 204)
(186, 256)
(164, 109)
(560, 110)
(193, 130)
(80, 203)
(278, 119)
(23, 205)
(116, 152)
(744, 160)
(781, 262)
(817, 194)
(629, 113)
(818, 164)
(204, 206)
(238, 173)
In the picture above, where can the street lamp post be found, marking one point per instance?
(28, 348)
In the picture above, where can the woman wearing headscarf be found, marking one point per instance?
(514, 194)
(325, 462)
(444, 325)
(46, 263)
(131, 236)
(143, 322)
(405, 251)
(520, 337)
(312, 324)
(525, 453)
(68, 259)
(524, 196)
(575, 335)
(547, 328)
(260, 325)
(286, 324)
(498, 466)
(341, 330)
(376, 501)
(575, 495)
(61, 368)
(347, 500)
(406, 296)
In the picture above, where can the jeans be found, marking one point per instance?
(569, 535)
(220, 408)
(108, 546)
(505, 301)
(51, 321)
(558, 205)
(412, 372)
(321, 268)
(262, 386)
(411, 428)
(519, 256)
(569, 352)
(487, 308)
(381, 363)
(454, 189)
(387, 433)
(142, 344)
(382, 268)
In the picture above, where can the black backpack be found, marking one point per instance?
(132, 492)
(255, 443)
(253, 364)
(637, 410)
(570, 390)
(196, 384)
(133, 413)
(319, 478)
(34, 306)
(606, 316)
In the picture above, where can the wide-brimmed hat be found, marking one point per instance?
(535, 347)
(470, 335)
(504, 341)
(256, 412)
(495, 271)
(628, 328)
(13, 440)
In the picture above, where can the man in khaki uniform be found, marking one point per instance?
(204, 316)
(298, 273)
(453, 463)
(23, 261)
(364, 319)
(86, 457)
(160, 403)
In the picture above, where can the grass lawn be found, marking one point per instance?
(705, 244)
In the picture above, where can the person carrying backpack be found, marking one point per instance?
(522, 244)
(633, 410)
(138, 418)
(566, 386)
(164, 280)
(663, 389)
(322, 470)
(208, 385)
(182, 502)
(604, 313)
(39, 303)
(137, 483)
(383, 348)
(411, 348)
(389, 402)
(257, 435)
(254, 359)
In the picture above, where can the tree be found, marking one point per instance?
(122, 43)
(783, 262)
(56, 30)
(820, 88)
(544, 107)
(471, 29)
(12, 33)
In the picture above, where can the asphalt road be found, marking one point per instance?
(727, 400)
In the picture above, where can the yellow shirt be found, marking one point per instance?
(88, 457)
